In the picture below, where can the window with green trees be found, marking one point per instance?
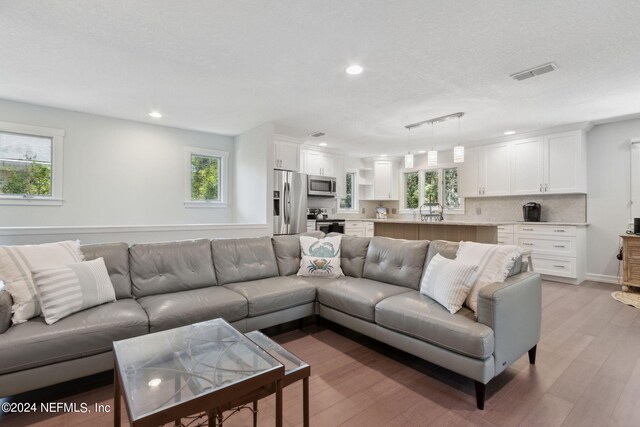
(349, 201)
(25, 165)
(412, 190)
(432, 186)
(205, 178)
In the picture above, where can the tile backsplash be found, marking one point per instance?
(558, 208)
(555, 208)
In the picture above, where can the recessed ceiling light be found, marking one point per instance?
(383, 155)
(155, 114)
(155, 382)
(354, 69)
(422, 151)
(510, 132)
(323, 144)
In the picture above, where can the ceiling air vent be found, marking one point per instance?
(536, 71)
(317, 134)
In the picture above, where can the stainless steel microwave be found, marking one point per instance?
(321, 186)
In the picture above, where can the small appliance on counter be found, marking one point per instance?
(381, 213)
(531, 212)
(317, 213)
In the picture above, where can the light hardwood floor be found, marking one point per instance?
(587, 374)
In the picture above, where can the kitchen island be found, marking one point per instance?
(455, 231)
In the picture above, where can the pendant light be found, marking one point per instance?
(432, 155)
(458, 150)
(408, 158)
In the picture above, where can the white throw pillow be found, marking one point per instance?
(71, 288)
(16, 264)
(494, 263)
(320, 257)
(448, 282)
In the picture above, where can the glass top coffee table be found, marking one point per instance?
(203, 367)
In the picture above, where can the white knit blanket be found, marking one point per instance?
(494, 263)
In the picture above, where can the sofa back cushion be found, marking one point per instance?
(158, 268)
(242, 260)
(287, 251)
(395, 261)
(116, 258)
(353, 252)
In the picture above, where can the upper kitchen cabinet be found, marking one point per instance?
(565, 158)
(553, 164)
(318, 163)
(286, 153)
(385, 180)
(527, 160)
(485, 171)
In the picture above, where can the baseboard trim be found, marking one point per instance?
(604, 278)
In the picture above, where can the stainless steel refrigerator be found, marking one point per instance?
(289, 202)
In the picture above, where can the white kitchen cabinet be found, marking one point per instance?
(527, 161)
(553, 164)
(385, 180)
(469, 173)
(286, 153)
(565, 163)
(494, 170)
(359, 228)
(318, 163)
(311, 225)
(557, 251)
(485, 171)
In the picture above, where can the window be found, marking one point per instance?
(30, 165)
(432, 186)
(206, 177)
(350, 201)
(412, 190)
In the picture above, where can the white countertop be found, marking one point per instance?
(471, 223)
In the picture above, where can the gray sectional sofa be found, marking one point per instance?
(252, 283)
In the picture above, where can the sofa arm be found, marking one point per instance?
(5, 310)
(513, 310)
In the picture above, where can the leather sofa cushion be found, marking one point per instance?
(443, 247)
(274, 294)
(34, 343)
(357, 297)
(158, 268)
(176, 309)
(353, 252)
(421, 317)
(395, 261)
(287, 250)
(241, 260)
(116, 258)
(5, 310)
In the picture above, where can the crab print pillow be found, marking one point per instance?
(320, 257)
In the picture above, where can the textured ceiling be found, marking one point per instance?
(227, 66)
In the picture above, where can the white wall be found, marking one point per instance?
(119, 173)
(252, 177)
(608, 210)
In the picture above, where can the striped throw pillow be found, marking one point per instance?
(448, 282)
(16, 264)
(71, 288)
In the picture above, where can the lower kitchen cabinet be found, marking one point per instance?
(558, 252)
(359, 228)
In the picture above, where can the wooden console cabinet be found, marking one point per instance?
(630, 260)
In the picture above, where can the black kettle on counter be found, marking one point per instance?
(531, 212)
